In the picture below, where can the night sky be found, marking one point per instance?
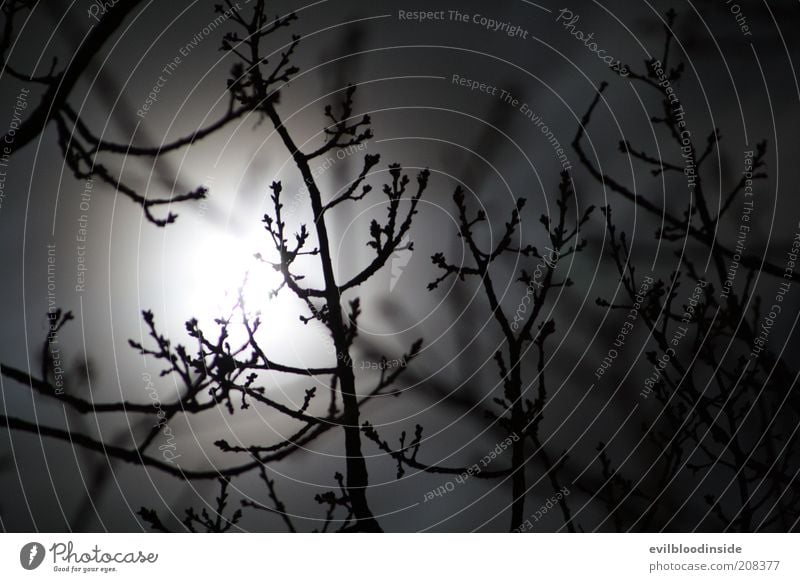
(621, 172)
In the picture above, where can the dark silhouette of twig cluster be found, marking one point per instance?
(723, 433)
(83, 151)
(525, 330)
(216, 372)
(723, 429)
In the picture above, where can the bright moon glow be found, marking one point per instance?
(218, 266)
(223, 264)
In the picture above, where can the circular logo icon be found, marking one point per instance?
(31, 555)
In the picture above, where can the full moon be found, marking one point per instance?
(203, 275)
(223, 265)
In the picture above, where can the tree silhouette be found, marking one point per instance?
(725, 429)
(218, 373)
(719, 443)
(80, 146)
(519, 414)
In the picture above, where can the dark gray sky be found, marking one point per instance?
(407, 74)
